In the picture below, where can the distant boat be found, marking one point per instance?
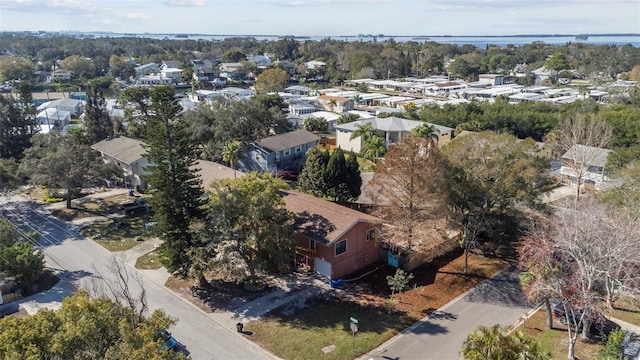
(582, 37)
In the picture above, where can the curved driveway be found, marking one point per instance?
(440, 336)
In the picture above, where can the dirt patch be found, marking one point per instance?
(218, 295)
(433, 285)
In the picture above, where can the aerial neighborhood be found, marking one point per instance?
(303, 199)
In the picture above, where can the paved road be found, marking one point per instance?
(83, 263)
(440, 336)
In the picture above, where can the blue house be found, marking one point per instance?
(280, 152)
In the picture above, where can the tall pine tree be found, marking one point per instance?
(336, 174)
(312, 178)
(97, 123)
(176, 189)
(354, 180)
(18, 123)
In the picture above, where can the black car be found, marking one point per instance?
(598, 325)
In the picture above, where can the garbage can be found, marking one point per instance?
(240, 327)
(130, 192)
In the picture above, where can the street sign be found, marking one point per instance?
(354, 328)
(353, 320)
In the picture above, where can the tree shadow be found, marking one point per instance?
(314, 226)
(503, 289)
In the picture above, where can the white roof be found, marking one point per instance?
(393, 124)
(327, 115)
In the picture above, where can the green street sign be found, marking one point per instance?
(353, 320)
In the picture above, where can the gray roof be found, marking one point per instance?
(125, 149)
(394, 124)
(587, 155)
(287, 140)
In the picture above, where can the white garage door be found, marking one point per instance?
(322, 267)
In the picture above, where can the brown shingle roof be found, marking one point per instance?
(322, 220)
(123, 148)
(288, 140)
(210, 171)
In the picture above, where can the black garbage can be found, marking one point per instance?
(240, 327)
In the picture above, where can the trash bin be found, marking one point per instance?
(130, 192)
(336, 284)
(240, 327)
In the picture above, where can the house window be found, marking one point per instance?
(371, 234)
(277, 154)
(287, 152)
(341, 247)
(298, 149)
(312, 245)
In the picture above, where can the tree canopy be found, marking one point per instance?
(59, 163)
(18, 256)
(85, 328)
(247, 232)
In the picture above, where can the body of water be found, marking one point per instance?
(479, 41)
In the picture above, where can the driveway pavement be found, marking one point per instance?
(440, 335)
(82, 263)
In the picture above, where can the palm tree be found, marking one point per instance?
(486, 343)
(231, 153)
(427, 131)
(332, 103)
(356, 100)
(373, 148)
(364, 131)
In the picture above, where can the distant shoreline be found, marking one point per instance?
(107, 33)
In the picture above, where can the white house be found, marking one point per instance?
(392, 129)
(74, 107)
(314, 64)
(261, 61)
(204, 95)
(174, 74)
(587, 163)
(147, 69)
(237, 93)
(54, 117)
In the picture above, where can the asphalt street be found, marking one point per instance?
(84, 264)
(440, 336)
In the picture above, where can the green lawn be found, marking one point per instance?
(365, 165)
(326, 323)
(149, 261)
(628, 311)
(118, 234)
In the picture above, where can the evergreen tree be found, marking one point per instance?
(336, 175)
(177, 190)
(97, 123)
(354, 180)
(18, 123)
(312, 177)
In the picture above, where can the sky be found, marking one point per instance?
(324, 17)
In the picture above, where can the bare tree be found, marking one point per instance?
(123, 285)
(409, 188)
(582, 141)
(586, 255)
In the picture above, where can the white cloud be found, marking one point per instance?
(300, 3)
(184, 2)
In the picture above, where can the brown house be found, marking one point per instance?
(333, 240)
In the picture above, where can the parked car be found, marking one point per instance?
(168, 341)
(139, 205)
(287, 175)
(597, 324)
